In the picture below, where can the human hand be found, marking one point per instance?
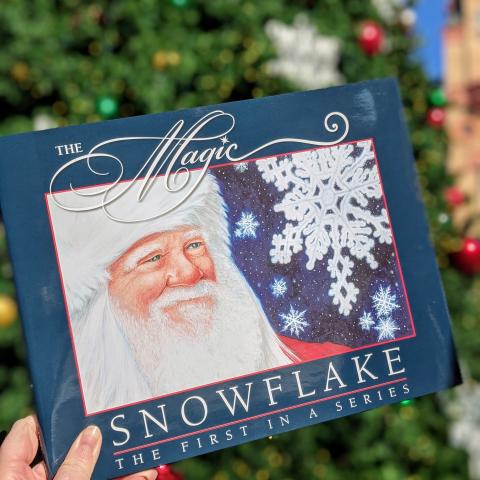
(21, 444)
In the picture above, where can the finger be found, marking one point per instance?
(147, 475)
(40, 471)
(80, 460)
(21, 444)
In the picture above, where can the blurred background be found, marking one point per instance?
(67, 62)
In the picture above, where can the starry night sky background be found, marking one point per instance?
(246, 191)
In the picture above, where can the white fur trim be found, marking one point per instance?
(88, 242)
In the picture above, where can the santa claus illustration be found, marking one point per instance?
(160, 306)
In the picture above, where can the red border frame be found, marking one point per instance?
(413, 335)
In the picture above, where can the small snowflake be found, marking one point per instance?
(247, 226)
(240, 167)
(386, 329)
(366, 321)
(384, 301)
(278, 287)
(294, 321)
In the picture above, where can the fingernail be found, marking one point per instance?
(150, 475)
(30, 421)
(147, 476)
(90, 438)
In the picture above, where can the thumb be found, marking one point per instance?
(19, 449)
(80, 460)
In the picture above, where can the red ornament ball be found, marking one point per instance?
(453, 196)
(436, 117)
(371, 38)
(467, 259)
(166, 473)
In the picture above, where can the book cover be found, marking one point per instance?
(193, 280)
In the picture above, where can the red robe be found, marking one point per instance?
(306, 351)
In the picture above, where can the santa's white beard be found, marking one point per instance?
(124, 359)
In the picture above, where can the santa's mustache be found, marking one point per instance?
(173, 295)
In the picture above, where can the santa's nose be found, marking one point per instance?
(182, 272)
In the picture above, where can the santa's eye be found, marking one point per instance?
(155, 258)
(194, 245)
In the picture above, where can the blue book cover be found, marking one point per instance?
(193, 280)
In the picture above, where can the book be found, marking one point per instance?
(193, 280)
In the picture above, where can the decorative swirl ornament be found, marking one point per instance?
(172, 161)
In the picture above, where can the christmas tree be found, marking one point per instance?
(71, 62)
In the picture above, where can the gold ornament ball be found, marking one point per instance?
(8, 311)
(173, 58)
(160, 60)
(163, 59)
(20, 71)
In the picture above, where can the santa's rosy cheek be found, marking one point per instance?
(205, 265)
(149, 288)
(135, 292)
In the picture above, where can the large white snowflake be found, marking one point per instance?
(384, 301)
(304, 57)
(386, 329)
(294, 321)
(278, 287)
(333, 206)
(247, 226)
(366, 321)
